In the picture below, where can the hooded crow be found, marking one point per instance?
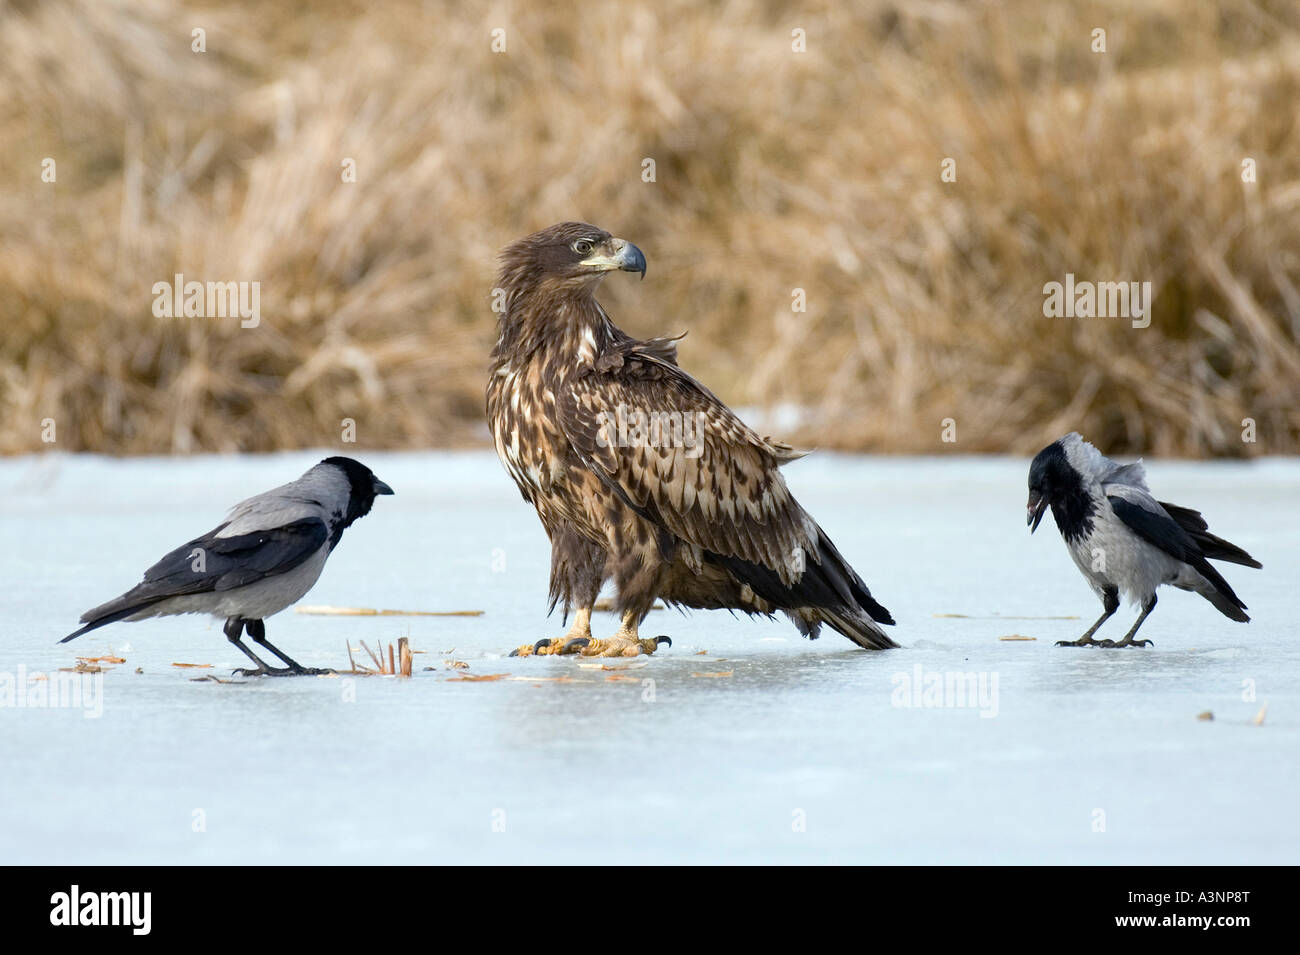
(1123, 539)
(265, 556)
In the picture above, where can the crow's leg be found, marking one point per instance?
(627, 642)
(1128, 640)
(234, 628)
(1110, 603)
(257, 630)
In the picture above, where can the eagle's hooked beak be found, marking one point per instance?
(1037, 505)
(622, 255)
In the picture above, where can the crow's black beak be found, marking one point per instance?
(1037, 505)
(382, 488)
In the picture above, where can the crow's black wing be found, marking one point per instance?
(1159, 529)
(1215, 548)
(212, 563)
(1156, 527)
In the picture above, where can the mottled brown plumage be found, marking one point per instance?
(692, 508)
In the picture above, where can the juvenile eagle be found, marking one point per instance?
(639, 472)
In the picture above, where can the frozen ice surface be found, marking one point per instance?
(801, 754)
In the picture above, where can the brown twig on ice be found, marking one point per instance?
(372, 612)
(379, 664)
(400, 660)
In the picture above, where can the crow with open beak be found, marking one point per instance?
(1122, 539)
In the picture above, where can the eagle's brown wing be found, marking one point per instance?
(706, 478)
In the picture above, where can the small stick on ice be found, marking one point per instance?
(378, 663)
(605, 605)
(323, 610)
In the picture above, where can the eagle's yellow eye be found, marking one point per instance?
(582, 247)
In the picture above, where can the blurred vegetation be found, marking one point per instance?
(775, 170)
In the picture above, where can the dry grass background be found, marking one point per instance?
(775, 170)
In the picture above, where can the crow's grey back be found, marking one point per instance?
(322, 493)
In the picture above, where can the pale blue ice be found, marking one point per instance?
(805, 752)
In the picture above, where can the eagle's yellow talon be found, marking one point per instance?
(625, 643)
(571, 642)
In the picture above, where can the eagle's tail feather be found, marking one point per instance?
(829, 591)
(858, 627)
(861, 596)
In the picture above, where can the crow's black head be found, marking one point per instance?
(365, 486)
(1052, 480)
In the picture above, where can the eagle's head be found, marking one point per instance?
(571, 256)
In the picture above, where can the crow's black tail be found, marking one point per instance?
(119, 608)
(100, 622)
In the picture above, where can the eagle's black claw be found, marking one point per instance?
(575, 643)
(662, 640)
(544, 642)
